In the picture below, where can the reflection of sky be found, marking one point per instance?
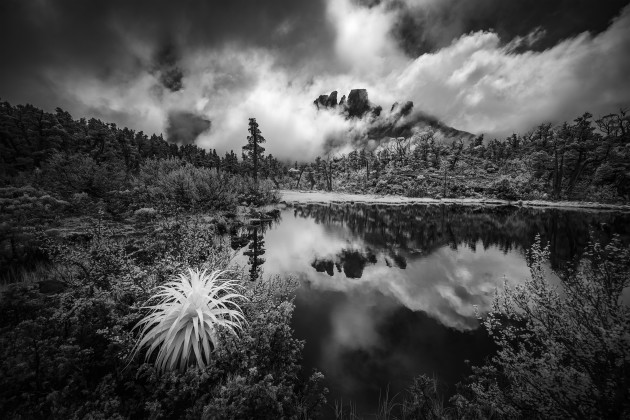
(444, 284)
(390, 324)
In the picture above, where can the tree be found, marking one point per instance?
(253, 150)
(230, 162)
(328, 169)
(456, 152)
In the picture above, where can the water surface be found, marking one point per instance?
(389, 292)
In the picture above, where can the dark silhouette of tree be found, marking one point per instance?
(256, 249)
(253, 150)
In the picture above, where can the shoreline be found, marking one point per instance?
(324, 197)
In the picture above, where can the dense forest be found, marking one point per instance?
(32, 139)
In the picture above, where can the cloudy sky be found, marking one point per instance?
(204, 67)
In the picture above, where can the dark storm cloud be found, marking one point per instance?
(428, 25)
(135, 62)
(95, 36)
(184, 127)
(166, 64)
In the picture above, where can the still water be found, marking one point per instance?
(388, 292)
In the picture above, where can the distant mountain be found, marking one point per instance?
(398, 121)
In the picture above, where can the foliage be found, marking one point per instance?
(258, 194)
(172, 183)
(66, 354)
(67, 174)
(582, 160)
(24, 210)
(186, 317)
(94, 156)
(562, 350)
(563, 353)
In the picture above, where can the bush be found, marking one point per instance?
(562, 354)
(257, 194)
(23, 210)
(169, 183)
(68, 354)
(67, 174)
(145, 214)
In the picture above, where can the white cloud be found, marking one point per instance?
(476, 84)
(363, 42)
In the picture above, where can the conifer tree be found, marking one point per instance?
(252, 149)
(256, 249)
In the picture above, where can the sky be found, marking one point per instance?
(197, 70)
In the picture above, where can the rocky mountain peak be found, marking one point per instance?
(401, 120)
(358, 103)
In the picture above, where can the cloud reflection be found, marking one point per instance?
(444, 284)
(389, 293)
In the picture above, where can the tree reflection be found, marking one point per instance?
(254, 237)
(256, 249)
(400, 231)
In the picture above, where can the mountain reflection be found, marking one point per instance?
(421, 229)
(389, 292)
(352, 262)
(442, 260)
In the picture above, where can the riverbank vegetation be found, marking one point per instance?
(562, 350)
(67, 337)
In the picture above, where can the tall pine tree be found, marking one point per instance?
(252, 150)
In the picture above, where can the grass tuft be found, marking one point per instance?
(184, 323)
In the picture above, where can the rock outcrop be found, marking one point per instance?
(326, 101)
(321, 101)
(358, 104)
(401, 120)
(331, 102)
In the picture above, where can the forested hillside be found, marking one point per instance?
(585, 159)
(30, 137)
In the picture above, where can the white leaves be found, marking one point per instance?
(184, 322)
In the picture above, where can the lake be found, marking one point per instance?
(389, 292)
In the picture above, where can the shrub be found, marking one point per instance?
(67, 174)
(172, 183)
(257, 194)
(66, 355)
(186, 317)
(145, 214)
(562, 354)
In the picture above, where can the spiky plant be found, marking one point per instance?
(186, 318)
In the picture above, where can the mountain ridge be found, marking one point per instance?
(401, 120)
